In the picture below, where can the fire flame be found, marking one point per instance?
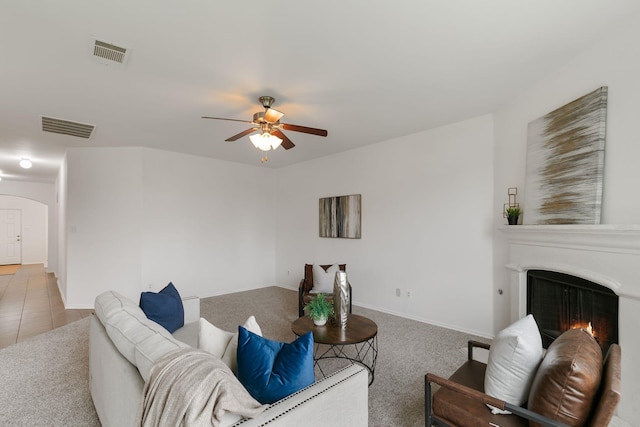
(585, 326)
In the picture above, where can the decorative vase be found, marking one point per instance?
(513, 220)
(320, 322)
(341, 298)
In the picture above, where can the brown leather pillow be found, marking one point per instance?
(568, 379)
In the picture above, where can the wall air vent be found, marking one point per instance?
(107, 53)
(66, 127)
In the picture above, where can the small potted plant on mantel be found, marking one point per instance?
(513, 212)
(319, 309)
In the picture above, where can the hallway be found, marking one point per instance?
(30, 304)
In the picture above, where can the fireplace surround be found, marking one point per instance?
(560, 302)
(607, 255)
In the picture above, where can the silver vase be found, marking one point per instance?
(341, 298)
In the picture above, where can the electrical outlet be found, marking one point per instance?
(398, 293)
(409, 294)
(150, 286)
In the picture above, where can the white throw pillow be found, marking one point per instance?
(323, 280)
(514, 358)
(223, 344)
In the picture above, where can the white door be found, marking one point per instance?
(10, 236)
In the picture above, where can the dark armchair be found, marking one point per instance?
(460, 400)
(306, 284)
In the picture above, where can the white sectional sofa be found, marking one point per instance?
(124, 345)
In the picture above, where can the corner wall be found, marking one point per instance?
(611, 62)
(426, 224)
(103, 222)
(207, 225)
(139, 218)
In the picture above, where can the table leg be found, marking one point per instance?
(366, 354)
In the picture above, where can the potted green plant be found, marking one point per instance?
(319, 309)
(513, 212)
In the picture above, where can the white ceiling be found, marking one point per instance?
(367, 71)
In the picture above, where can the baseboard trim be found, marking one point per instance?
(411, 317)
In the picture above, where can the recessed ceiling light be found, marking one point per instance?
(26, 163)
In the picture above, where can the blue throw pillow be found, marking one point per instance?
(164, 307)
(271, 370)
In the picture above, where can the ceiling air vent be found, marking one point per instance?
(108, 53)
(66, 127)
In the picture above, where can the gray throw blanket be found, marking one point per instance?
(191, 387)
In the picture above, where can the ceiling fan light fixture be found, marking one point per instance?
(267, 124)
(265, 141)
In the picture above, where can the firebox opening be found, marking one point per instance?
(560, 302)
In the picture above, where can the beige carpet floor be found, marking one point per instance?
(406, 349)
(44, 380)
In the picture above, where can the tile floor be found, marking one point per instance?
(30, 304)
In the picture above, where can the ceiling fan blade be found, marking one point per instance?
(304, 129)
(231, 120)
(286, 142)
(241, 134)
(272, 115)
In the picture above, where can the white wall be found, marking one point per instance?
(207, 225)
(46, 194)
(138, 217)
(61, 226)
(426, 223)
(612, 62)
(34, 228)
(104, 207)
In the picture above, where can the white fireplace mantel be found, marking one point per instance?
(605, 254)
(598, 237)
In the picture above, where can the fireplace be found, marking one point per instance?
(606, 255)
(560, 302)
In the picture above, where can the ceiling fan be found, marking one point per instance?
(270, 129)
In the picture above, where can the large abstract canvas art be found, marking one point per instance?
(565, 163)
(340, 216)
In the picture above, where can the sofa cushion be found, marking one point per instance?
(568, 379)
(125, 323)
(188, 334)
(514, 357)
(140, 340)
(271, 370)
(323, 279)
(152, 349)
(164, 307)
(223, 344)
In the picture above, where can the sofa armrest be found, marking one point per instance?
(342, 398)
(191, 309)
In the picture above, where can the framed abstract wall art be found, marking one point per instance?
(340, 216)
(565, 163)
